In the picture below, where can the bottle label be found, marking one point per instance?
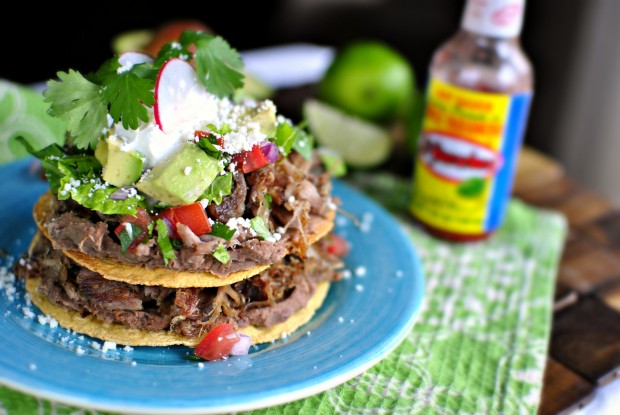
(467, 155)
(495, 18)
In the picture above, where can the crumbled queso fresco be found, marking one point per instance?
(156, 144)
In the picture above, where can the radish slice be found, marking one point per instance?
(129, 59)
(180, 100)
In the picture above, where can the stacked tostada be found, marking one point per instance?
(177, 206)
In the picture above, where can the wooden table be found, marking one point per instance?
(584, 352)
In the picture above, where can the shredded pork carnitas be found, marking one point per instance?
(263, 300)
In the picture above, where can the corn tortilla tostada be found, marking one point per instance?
(176, 206)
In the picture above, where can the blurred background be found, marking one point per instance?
(572, 44)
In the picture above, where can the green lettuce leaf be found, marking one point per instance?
(163, 241)
(219, 187)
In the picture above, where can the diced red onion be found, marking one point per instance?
(172, 230)
(270, 151)
(120, 194)
(242, 347)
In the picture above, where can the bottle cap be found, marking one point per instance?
(494, 18)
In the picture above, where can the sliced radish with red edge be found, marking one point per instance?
(179, 97)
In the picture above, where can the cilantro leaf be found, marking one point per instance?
(222, 231)
(78, 102)
(128, 235)
(224, 129)
(221, 254)
(173, 50)
(163, 240)
(304, 144)
(207, 144)
(106, 71)
(219, 187)
(285, 137)
(218, 65)
(128, 96)
(258, 225)
(268, 200)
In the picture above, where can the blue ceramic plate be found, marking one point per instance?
(364, 317)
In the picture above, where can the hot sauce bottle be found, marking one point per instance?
(477, 102)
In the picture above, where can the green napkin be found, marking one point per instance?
(478, 347)
(23, 112)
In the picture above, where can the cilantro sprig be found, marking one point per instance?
(84, 102)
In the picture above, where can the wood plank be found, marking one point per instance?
(563, 391)
(583, 206)
(605, 230)
(586, 339)
(610, 294)
(590, 269)
(535, 170)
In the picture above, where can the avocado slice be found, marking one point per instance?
(182, 177)
(121, 168)
(265, 116)
(101, 152)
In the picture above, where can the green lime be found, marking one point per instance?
(368, 79)
(361, 143)
(135, 40)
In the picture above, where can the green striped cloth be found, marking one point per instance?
(478, 347)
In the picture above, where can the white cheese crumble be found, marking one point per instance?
(107, 345)
(27, 312)
(7, 283)
(47, 320)
(360, 271)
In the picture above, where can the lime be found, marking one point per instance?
(368, 79)
(360, 143)
(135, 40)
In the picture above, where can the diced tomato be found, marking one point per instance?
(206, 134)
(251, 160)
(141, 219)
(218, 343)
(193, 216)
(336, 245)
